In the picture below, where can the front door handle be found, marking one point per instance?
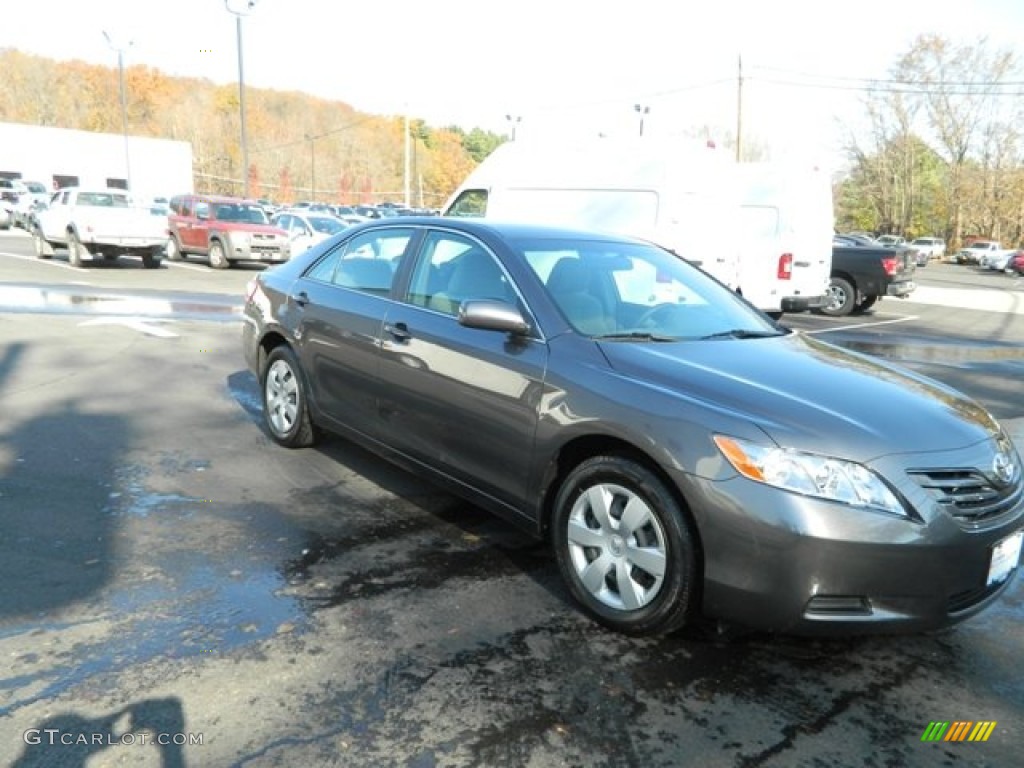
(398, 331)
(301, 298)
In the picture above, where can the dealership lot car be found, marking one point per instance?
(683, 454)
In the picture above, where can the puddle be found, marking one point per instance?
(930, 352)
(76, 301)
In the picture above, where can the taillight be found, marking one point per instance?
(785, 266)
(891, 265)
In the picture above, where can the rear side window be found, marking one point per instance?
(367, 262)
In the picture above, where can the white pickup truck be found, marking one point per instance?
(984, 253)
(99, 223)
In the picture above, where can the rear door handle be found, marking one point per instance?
(398, 331)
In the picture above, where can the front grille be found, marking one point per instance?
(967, 494)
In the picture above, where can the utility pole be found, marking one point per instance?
(408, 160)
(120, 48)
(240, 10)
(739, 111)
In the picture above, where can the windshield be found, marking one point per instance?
(621, 290)
(251, 214)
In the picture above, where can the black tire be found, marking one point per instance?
(865, 304)
(218, 257)
(173, 250)
(76, 251)
(594, 557)
(285, 411)
(151, 258)
(43, 248)
(842, 298)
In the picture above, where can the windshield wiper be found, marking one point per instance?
(741, 333)
(635, 336)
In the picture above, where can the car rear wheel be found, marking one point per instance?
(865, 304)
(625, 547)
(151, 258)
(841, 298)
(284, 401)
(76, 251)
(218, 259)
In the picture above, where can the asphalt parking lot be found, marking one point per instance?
(179, 591)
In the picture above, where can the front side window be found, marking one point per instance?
(452, 269)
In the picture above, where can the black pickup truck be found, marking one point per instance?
(863, 274)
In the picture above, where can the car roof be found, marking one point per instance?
(500, 228)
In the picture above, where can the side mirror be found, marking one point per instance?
(490, 315)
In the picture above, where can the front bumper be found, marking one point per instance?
(779, 561)
(271, 250)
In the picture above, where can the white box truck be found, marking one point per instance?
(692, 200)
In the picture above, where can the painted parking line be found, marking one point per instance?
(869, 324)
(51, 262)
(180, 265)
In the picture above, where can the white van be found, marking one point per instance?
(785, 229)
(689, 199)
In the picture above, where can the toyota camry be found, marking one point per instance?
(684, 455)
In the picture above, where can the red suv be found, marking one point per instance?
(223, 229)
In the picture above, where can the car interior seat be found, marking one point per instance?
(475, 275)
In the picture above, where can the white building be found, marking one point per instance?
(59, 157)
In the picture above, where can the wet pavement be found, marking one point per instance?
(166, 569)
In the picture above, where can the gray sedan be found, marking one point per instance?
(683, 454)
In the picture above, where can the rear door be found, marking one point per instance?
(343, 300)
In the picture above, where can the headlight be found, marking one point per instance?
(810, 474)
(240, 239)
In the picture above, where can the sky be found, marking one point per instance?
(566, 67)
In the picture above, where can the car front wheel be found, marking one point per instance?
(218, 258)
(625, 547)
(284, 401)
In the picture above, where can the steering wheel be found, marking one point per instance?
(646, 320)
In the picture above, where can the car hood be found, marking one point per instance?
(810, 395)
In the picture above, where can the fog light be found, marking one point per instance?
(834, 605)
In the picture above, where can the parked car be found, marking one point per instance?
(6, 217)
(34, 198)
(996, 260)
(223, 230)
(972, 253)
(684, 454)
(933, 247)
(863, 274)
(98, 223)
(1016, 264)
(306, 228)
(857, 238)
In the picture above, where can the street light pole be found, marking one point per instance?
(514, 120)
(241, 8)
(124, 106)
(641, 110)
(312, 167)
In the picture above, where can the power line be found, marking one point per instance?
(893, 81)
(921, 89)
